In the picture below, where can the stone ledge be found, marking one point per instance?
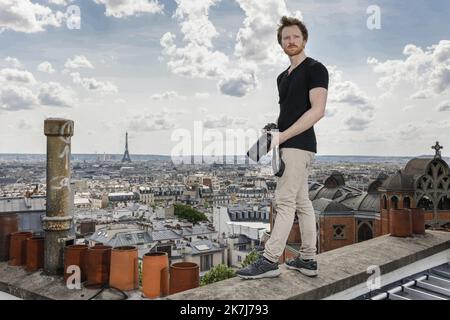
(38, 286)
(339, 269)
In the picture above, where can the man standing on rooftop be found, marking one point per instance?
(303, 90)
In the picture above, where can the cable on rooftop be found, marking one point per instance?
(107, 286)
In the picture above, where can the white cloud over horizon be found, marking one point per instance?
(151, 67)
(26, 16)
(236, 76)
(355, 101)
(13, 62)
(46, 67)
(168, 95)
(77, 62)
(125, 8)
(153, 122)
(16, 75)
(103, 87)
(427, 70)
(54, 94)
(17, 98)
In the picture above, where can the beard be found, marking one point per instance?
(293, 51)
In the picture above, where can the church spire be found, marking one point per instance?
(438, 148)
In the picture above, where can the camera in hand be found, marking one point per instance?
(262, 146)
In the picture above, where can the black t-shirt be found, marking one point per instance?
(294, 101)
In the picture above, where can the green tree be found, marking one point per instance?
(187, 212)
(250, 258)
(218, 273)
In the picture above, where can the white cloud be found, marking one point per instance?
(422, 94)
(357, 123)
(256, 40)
(330, 112)
(124, 8)
(269, 117)
(168, 95)
(428, 71)
(344, 91)
(17, 98)
(197, 59)
(439, 125)
(104, 87)
(45, 67)
(153, 122)
(193, 60)
(60, 2)
(222, 121)
(13, 62)
(344, 8)
(106, 124)
(78, 62)
(16, 94)
(25, 16)
(194, 22)
(440, 78)
(410, 131)
(239, 121)
(418, 132)
(202, 95)
(444, 106)
(372, 60)
(16, 75)
(167, 42)
(24, 124)
(239, 83)
(408, 107)
(54, 94)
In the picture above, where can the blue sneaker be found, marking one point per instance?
(260, 249)
(306, 267)
(261, 268)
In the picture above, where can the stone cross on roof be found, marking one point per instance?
(437, 147)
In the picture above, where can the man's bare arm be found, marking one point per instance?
(318, 98)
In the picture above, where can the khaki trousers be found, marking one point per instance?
(291, 196)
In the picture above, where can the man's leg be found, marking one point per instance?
(306, 215)
(305, 263)
(285, 197)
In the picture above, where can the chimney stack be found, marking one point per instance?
(58, 220)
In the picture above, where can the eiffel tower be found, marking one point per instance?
(126, 155)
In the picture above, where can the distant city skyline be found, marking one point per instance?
(153, 67)
(117, 157)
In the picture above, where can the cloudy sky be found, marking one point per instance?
(155, 67)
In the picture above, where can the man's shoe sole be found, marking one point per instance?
(268, 274)
(306, 272)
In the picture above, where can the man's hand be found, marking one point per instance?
(277, 139)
